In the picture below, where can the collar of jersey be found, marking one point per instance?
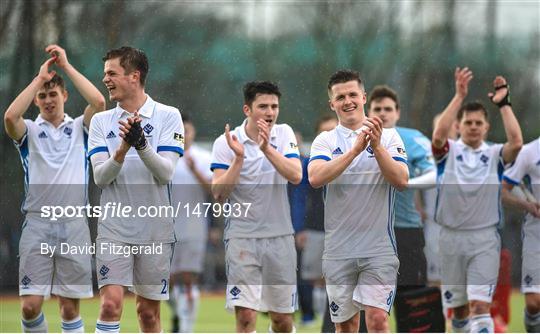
(348, 132)
(146, 110)
(243, 137)
(67, 119)
(467, 147)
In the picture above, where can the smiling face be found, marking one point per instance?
(119, 83)
(347, 100)
(265, 107)
(50, 102)
(385, 108)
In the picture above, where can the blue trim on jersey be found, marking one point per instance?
(98, 149)
(510, 181)
(86, 169)
(323, 157)
(176, 149)
(215, 165)
(292, 155)
(400, 159)
(24, 153)
(441, 164)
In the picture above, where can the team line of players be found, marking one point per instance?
(134, 150)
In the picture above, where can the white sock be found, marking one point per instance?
(107, 326)
(532, 322)
(319, 300)
(36, 325)
(186, 311)
(482, 323)
(73, 326)
(461, 325)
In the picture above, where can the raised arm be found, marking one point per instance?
(514, 139)
(13, 117)
(289, 168)
(448, 116)
(95, 100)
(224, 180)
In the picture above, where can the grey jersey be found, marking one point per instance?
(259, 184)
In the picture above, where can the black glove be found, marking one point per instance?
(135, 137)
(506, 99)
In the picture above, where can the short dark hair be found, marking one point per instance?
(252, 88)
(380, 92)
(55, 81)
(343, 76)
(131, 59)
(472, 107)
(325, 118)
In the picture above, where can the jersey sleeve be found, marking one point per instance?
(172, 136)
(518, 170)
(96, 138)
(222, 155)
(320, 148)
(290, 149)
(395, 146)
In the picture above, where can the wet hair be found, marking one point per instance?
(472, 107)
(56, 81)
(252, 88)
(131, 59)
(343, 76)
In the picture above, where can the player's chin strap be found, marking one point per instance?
(506, 99)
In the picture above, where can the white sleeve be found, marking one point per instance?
(161, 165)
(519, 169)
(222, 155)
(320, 148)
(290, 149)
(395, 146)
(105, 168)
(172, 136)
(96, 138)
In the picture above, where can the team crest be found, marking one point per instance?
(68, 131)
(148, 128)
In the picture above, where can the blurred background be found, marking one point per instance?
(201, 53)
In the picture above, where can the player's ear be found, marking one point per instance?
(65, 94)
(331, 105)
(398, 114)
(247, 110)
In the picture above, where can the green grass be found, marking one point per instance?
(212, 316)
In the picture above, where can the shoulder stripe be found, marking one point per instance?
(323, 157)
(218, 166)
(97, 149)
(176, 149)
(510, 181)
(400, 159)
(292, 155)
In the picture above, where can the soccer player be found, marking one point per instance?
(191, 190)
(252, 165)
(53, 151)
(134, 148)
(469, 172)
(384, 103)
(361, 165)
(527, 165)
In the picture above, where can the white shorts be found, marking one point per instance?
(311, 268)
(66, 274)
(352, 284)
(261, 274)
(188, 256)
(470, 265)
(431, 250)
(146, 274)
(530, 266)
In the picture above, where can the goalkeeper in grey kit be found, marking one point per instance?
(134, 149)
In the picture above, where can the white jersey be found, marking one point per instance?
(54, 163)
(359, 204)
(468, 184)
(261, 191)
(135, 186)
(527, 165)
(192, 221)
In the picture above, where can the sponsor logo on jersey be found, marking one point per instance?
(43, 135)
(400, 150)
(337, 151)
(293, 145)
(148, 128)
(111, 135)
(178, 137)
